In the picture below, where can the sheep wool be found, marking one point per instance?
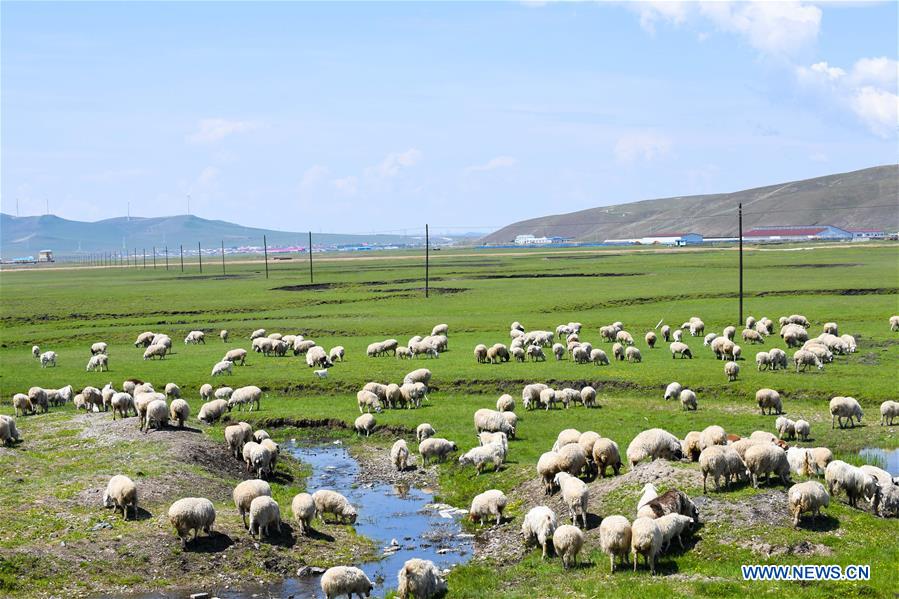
(192, 514)
(244, 494)
(646, 540)
(420, 578)
(399, 455)
(345, 580)
(121, 493)
(489, 504)
(538, 527)
(568, 541)
(303, 509)
(264, 513)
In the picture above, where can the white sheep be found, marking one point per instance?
(804, 358)
(681, 349)
(9, 434)
(48, 358)
(615, 538)
(484, 455)
(768, 399)
(237, 356)
(632, 354)
(763, 361)
(888, 411)
(223, 334)
(236, 436)
(575, 495)
(606, 455)
(205, 391)
(713, 462)
(223, 393)
(345, 580)
(179, 411)
(588, 396)
(488, 504)
(480, 353)
(303, 508)
(688, 399)
(21, 403)
(764, 459)
(222, 367)
(646, 540)
(192, 514)
(98, 362)
(809, 496)
(802, 429)
(492, 421)
(157, 415)
(587, 440)
(673, 526)
(672, 391)
(731, 369)
(195, 337)
(505, 403)
(336, 354)
(548, 465)
(420, 578)
(246, 396)
(567, 542)
(399, 455)
(244, 494)
(567, 436)
(364, 424)
(538, 526)
(435, 448)
(155, 351)
(331, 502)
(844, 407)
(841, 476)
(35, 352)
(212, 411)
(424, 431)
(120, 494)
(264, 513)
(654, 443)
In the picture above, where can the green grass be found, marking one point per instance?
(479, 295)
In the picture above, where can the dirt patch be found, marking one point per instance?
(804, 548)
(766, 508)
(834, 265)
(307, 287)
(375, 467)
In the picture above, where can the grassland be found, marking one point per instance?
(355, 302)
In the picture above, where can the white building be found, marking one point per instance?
(531, 240)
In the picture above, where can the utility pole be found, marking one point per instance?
(740, 227)
(223, 256)
(311, 278)
(154, 256)
(265, 252)
(145, 257)
(427, 259)
(166, 257)
(182, 257)
(200, 255)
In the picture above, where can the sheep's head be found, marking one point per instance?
(107, 499)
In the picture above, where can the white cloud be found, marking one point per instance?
(207, 176)
(314, 174)
(215, 130)
(347, 185)
(828, 71)
(881, 71)
(492, 164)
(394, 162)
(878, 109)
(654, 12)
(641, 145)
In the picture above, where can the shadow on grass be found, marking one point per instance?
(215, 542)
(822, 523)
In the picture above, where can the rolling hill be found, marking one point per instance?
(865, 199)
(22, 236)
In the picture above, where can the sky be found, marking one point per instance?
(380, 117)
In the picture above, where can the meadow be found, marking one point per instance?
(478, 294)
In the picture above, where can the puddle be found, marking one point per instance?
(888, 459)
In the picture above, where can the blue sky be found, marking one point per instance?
(357, 117)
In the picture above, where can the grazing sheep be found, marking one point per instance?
(849, 342)
(768, 399)
(712, 435)
(538, 526)
(800, 461)
(648, 493)
(731, 369)
(690, 446)
(588, 396)
(424, 431)
(157, 415)
(301, 346)
(778, 358)
(677, 335)
(179, 411)
(763, 361)
(317, 358)
(257, 334)
(35, 352)
(606, 455)
(480, 353)
(212, 411)
(575, 495)
(120, 494)
(223, 393)
(519, 354)
(205, 391)
(680, 349)
(569, 435)
(883, 478)
(336, 354)
(246, 396)
(567, 542)
(764, 459)
(651, 339)
(368, 401)
(673, 526)
(618, 351)
(484, 455)
(247, 491)
(223, 335)
(345, 580)
(98, 362)
(615, 538)
(192, 514)
(809, 496)
(488, 504)
(222, 367)
(707, 340)
(237, 356)
(646, 540)
(399, 455)
(587, 440)
(487, 438)
(22, 404)
(155, 351)
(844, 407)
(573, 458)
(48, 358)
(654, 443)
(713, 462)
(673, 390)
(505, 403)
(264, 512)
(558, 351)
(632, 354)
(435, 448)
(802, 429)
(888, 411)
(841, 476)
(492, 422)
(144, 339)
(364, 424)
(420, 578)
(530, 395)
(785, 427)
(420, 375)
(332, 502)
(236, 436)
(672, 501)
(752, 336)
(195, 337)
(303, 508)
(549, 464)
(804, 358)
(688, 399)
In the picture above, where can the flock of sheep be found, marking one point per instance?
(574, 459)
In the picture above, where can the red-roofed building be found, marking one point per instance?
(796, 233)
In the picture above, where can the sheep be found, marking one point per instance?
(93, 397)
(500, 438)
(301, 346)
(483, 456)
(646, 540)
(580, 355)
(673, 526)
(882, 477)
(236, 436)
(336, 354)
(192, 514)
(841, 476)
(587, 440)
(420, 375)
(786, 428)
(752, 336)
(849, 342)
(498, 353)
(435, 448)
(179, 411)
(535, 353)
(673, 390)
(421, 579)
(819, 458)
(155, 351)
(205, 391)
(690, 446)
(712, 435)
(157, 415)
(260, 435)
(257, 334)
(666, 333)
(530, 395)
(572, 458)
(768, 399)
(888, 411)
(247, 491)
(538, 526)
(618, 351)
(680, 349)
(424, 431)
(809, 496)
(763, 459)
(222, 367)
(505, 403)
(264, 512)
(9, 434)
(98, 348)
(844, 407)
(894, 323)
(211, 411)
(713, 462)
(48, 358)
(794, 336)
(688, 399)
(567, 436)
(195, 337)
(364, 424)
(399, 455)
(654, 443)
(574, 494)
(317, 358)
(567, 542)
(778, 358)
(615, 538)
(672, 501)
(22, 404)
(237, 356)
(488, 504)
(223, 393)
(763, 361)
(677, 335)
(519, 353)
(799, 459)
(258, 458)
(120, 494)
(223, 335)
(493, 422)
(303, 508)
(731, 369)
(35, 352)
(802, 429)
(145, 339)
(345, 580)
(889, 501)
(588, 396)
(606, 455)
(632, 354)
(480, 353)
(246, 396)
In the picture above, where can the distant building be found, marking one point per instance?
(45, 256)
(671, 239)
(532, 240)
(868, 233)
(796, 233)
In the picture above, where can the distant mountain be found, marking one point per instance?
(865, 199)
(22, 236)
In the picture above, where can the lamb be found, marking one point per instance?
(653, 443)
(237, 356)
(650, 339)
(804, 358)
(505, 403)
(236, 436)
(632, 354)
(763, 361)
(646, 540)
(399, 455)
(212, 411)
(247, 491)
(483, 456)
(575, 495)
(888, 411)
(488, 504)
(618, 351)
(731, 369)
(841, 476)
(680, 349)
(179, 411)
(264, 512)
(222, 367)
(435, 448)
(809, 496)
(538, 526)
(673, 526)
(768, 399)
(48, 358)
(493, 422)
(421, 579)
(786, 428)
(120, 494)
(763, 459)
(588, 394)
(688, 399)
(155, 351)
(345, 580)
(424, 431)
(752, 336)
(567, 542)
(844, 407)
(249, 396)
(157, 415)
(548, 466)
(364, 424)
(192, 514)
(672, 501)
(336, 354)
(606, 455)
(615, 538)
(802, 429)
